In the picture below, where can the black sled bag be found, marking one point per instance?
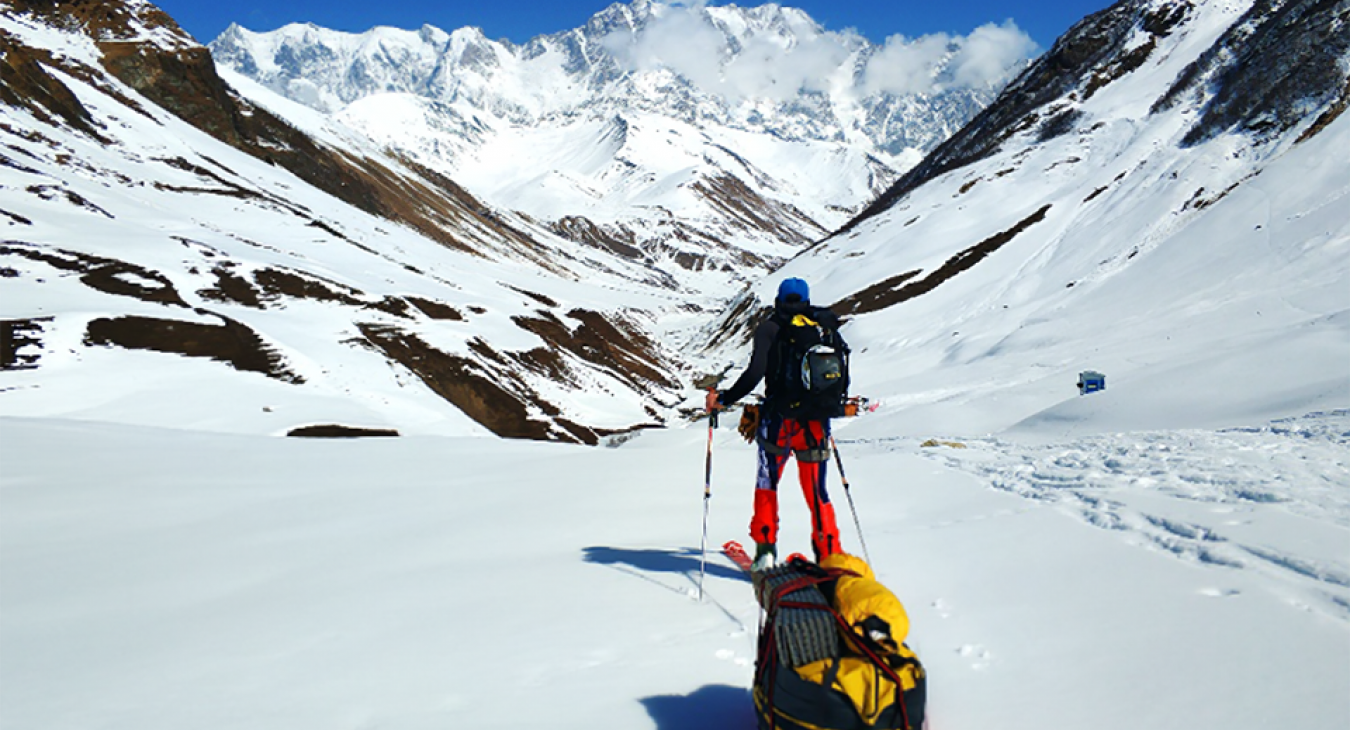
(810, 675)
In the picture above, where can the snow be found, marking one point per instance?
(612, 170)
(177, 578)
(504, 120)
(78, 49)
(1225, 315)
(163, 221)
(1172, 552)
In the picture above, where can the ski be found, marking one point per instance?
(736, 554)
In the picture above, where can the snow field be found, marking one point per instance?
(1171, 553)
(173, 579)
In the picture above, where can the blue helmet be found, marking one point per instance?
(791, 288)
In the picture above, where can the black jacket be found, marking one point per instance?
(764, 360)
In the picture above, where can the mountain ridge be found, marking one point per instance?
(705, 77)
(348, 66)
(1055, 226)
(137, 135)
(1092, 235)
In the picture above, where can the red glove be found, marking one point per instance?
(711, 403)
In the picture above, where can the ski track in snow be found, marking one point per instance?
(1202, 496)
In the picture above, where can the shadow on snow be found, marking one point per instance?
(683, 561)
(715, 707)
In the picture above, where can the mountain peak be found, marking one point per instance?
(1070, 220)
(763, 68)
(433, 35)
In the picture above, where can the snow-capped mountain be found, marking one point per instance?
(1166, 162)
(150, 209)
(625, 59)
(187, 272)
(1163, 159)
(672, 128)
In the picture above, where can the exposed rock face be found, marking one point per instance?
(488, 386)
(904, 287)
(225, 300)
(1282, 59)
(1279, 60)
(339, 431)
(20, 343)
(229, 342)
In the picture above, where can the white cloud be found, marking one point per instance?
(678, 39)
(769, 64)
(989, 52)
(768, 67)
(778, 64)
(904, 66)
(932, 63)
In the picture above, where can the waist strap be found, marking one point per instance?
(769, 447)
(813, 456)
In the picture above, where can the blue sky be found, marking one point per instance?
(521, 20)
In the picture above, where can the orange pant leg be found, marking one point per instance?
(812, 475)
(789, 436)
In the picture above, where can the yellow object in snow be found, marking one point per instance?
(865, 685)
(872, 681)
(875, 613)
(866, 605)
(930, 443)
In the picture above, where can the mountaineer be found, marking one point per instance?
(804, 364)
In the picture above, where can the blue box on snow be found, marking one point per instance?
(1090, 381)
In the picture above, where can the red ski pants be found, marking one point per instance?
(809, 441)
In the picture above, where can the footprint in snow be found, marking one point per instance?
(942, 608)
(1220, 592)
(980, 657)
(728, 655)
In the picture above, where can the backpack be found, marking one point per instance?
(812, 379)
(832, 653)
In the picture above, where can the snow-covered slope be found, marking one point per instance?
(1169, 553)
(1116, 226)
(659, 123)
(168, 579)
(1066, 229)
(359, 288)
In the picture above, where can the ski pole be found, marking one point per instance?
(844, 478)
(707, 496)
